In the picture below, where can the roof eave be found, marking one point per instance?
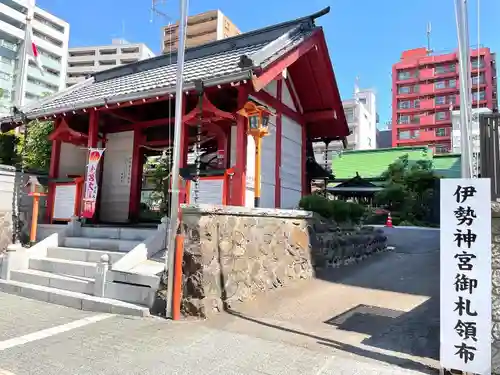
(240, 76)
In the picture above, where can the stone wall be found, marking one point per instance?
(10, 187)
(495, 297)
(234, 253)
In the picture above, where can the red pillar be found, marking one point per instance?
(239, 179)
(53, 173)
(135, 177)
(279, 131)
(184, 136)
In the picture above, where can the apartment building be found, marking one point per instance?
(425, 90)
(84, 61)
(201, 28)
(362, 118)
(50, 34)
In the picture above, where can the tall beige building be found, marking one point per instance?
(201, 28)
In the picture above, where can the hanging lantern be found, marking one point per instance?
(258, 118)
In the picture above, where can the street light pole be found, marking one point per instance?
(174, 204)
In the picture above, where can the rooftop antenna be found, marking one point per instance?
(429, 29)
(155, 10)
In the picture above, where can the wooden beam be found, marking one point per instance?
(120, 114)
(278, 106)
(328, 114)
(275, 69)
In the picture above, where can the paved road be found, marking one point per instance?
(377, 317)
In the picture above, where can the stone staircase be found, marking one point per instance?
(66, 274)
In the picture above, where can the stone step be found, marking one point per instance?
(100, 243)
(66, 282)
(72, 299)
(82, 255)
(130, 234)
(63, 266)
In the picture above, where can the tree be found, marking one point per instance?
(38, 149)
(8, 149)
(409, 189)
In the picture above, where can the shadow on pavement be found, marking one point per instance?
(392, 360)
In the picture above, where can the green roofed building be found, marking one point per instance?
(371, 164)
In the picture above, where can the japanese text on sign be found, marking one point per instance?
(465, 254)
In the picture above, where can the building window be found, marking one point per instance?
(440, 100)
(477, 80)
(452, 83)
(405, 104)
(403, 119)
(405, 74)
(416, 103)
(416, 134)
(440, 116)
(48, 23)
(8, 45)
(5, 76)
(441, 149)
(47, 38)
(404, 134)
(440, 85)
(477, 63)
(440, 132)
(404, 89)
(443, 69)
(349, 114)
(481, 95)
(452, 99)
(415, 119)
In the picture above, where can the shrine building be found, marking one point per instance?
(284, 69)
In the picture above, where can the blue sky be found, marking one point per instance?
(365, 37)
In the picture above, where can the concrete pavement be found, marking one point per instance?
(376, 317)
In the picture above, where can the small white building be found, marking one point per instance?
(361, 115)
(84, 61)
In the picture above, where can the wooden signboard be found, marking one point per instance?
(66, 201)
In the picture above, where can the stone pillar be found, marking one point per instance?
(495, 297)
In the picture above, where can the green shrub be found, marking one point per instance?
(338, 210)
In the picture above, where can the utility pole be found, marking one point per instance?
(174, 204)
(465, 85)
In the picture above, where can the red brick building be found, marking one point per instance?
(423, 88)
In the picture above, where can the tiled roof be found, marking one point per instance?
(373, 163)
(447, 165)
(224, 61)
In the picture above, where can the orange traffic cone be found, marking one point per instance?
(388, 223)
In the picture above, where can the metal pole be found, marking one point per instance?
(174, 205)
(23, 54)
(468, 79)
(463, 66)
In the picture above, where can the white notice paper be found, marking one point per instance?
(466, 275)
(64, 202)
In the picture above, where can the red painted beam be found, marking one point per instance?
(278, 106)
(315, 116)
(270, 73)
(55, 156)
(239, 182)
(119, 114)
(141, 125)
(279, 132)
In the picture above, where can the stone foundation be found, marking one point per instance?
(495, 296)
(234, 253)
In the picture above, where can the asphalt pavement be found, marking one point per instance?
(380, 316)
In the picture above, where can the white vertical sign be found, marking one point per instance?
(466, 275)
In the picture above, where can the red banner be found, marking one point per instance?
(91, 186)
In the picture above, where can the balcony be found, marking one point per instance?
(427, 89)
(427, 104)
(427, 120)
(426, 74)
